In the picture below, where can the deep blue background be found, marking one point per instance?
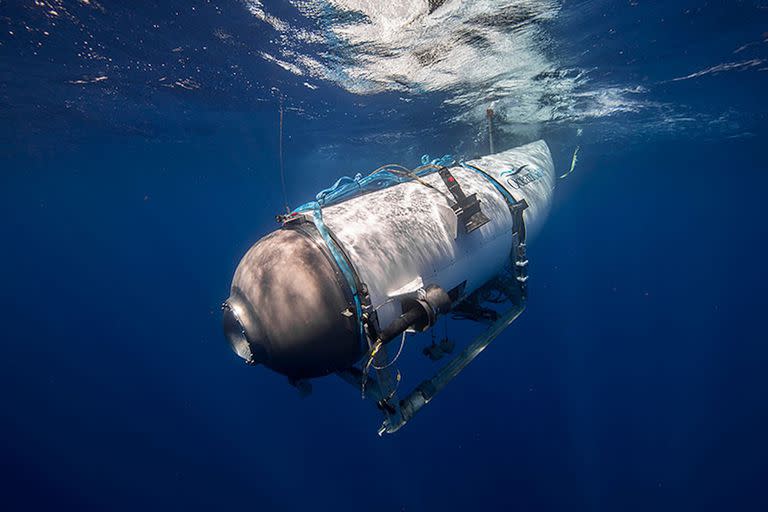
(636, 379)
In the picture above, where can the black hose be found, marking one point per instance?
(414, 316)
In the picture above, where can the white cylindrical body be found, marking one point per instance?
(405, 237)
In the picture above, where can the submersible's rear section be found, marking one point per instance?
(375, 256)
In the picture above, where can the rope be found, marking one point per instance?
(394, 359)
(489, 115)
(416, 177)
(398, 378)
(444, 161)
(383, 177)
(367, 368)
(371, 360)
(575, 156)
(573, 162)
(280, 152)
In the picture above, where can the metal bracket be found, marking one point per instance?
(466, 208)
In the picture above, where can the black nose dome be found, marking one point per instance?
(289, 307)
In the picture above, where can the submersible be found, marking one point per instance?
(376, 257)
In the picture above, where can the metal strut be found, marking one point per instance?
(427, 390)
(397, 414)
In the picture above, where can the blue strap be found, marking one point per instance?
(341, 261)
(503, 191)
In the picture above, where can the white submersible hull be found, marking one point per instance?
(339, 280)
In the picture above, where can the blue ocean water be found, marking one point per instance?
(140, 161)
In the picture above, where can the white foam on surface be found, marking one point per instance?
(478, 53)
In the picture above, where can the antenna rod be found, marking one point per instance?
(489, 115)
(280, 151)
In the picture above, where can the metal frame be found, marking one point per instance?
(398, 412)
(383, 391)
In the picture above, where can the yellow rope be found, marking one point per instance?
(573, 162)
